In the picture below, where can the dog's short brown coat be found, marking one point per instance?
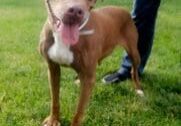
(112, 26)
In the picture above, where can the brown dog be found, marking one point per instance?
(74, 35)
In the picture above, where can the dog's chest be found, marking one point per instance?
(60, 52)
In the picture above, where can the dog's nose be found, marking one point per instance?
(73, 15)
(76, 11)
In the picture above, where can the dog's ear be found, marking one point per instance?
(93, 2)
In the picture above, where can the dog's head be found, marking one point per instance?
(68, 16)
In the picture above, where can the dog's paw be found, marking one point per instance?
(77, 82)
(140, 93)
(51, 121)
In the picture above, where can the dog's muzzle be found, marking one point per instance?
(73, 16)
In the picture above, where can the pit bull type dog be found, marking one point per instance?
(77, 36)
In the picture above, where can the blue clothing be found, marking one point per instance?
(144, 14)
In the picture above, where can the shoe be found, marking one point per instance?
(116, 77)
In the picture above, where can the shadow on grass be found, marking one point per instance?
(164, 91)
(163, 98)
(163, 94)
(160, 82)
(65, 122)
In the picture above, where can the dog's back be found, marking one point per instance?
(109, 24)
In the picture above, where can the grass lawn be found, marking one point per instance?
(24, 90)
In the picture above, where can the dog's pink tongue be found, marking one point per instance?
(69, 34)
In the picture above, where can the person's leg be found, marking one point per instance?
(144, 14)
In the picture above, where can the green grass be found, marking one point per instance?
(24, 90)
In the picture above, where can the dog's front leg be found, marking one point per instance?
(87, 83)
(54, 78)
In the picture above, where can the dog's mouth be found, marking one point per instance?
(70, 29)
(68, 33)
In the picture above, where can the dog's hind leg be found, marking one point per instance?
(130, 45)
(134, 55)
(87, 82)
(54, 78)
(135, 58)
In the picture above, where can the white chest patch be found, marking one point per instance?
(60, 52)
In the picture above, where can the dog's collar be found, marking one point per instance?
(85, 31)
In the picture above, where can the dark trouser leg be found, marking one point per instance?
(144, 14)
